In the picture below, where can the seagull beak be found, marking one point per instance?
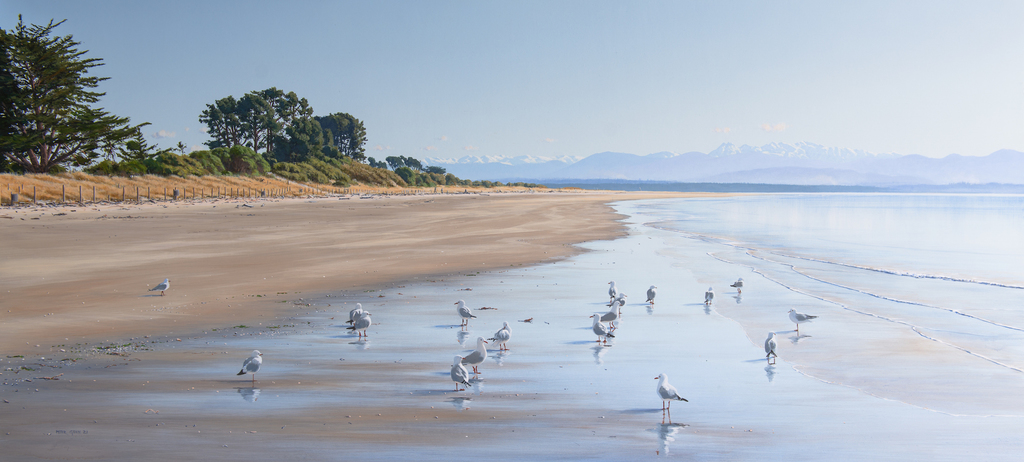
(658, 377)
(261, 354)
(485, 341)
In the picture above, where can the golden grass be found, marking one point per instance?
(65, 187)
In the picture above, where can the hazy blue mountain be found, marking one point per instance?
(775, 163)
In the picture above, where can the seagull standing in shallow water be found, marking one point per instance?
(478, 356)
(459, 373)
(602, 332)
(612, 315)
(709, 296)
(738, 285)
(769, 348)
(464, 312)
(667, 392)
(798, 318)
(252, 364)
(162, 286)
(361, 324)
(612, 291)
(651, 293)
(502, 336)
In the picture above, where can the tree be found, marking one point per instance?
(346, 133)
(305, 140)
(395, 162)
(375, 164)
(47, 118)
(434, 169)
(222, 122)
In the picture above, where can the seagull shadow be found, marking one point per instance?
(797, 338)
(150, 295)
(581, 342)
(447, 326)
(640, 411)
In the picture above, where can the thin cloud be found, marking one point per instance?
(774, 128)
(186, 129)
(723, 130)
(381, 148)
(204, 129)
(549, 140)
(164, 134)
(471, 148)
(443, 138)
(430, 148)
(196, 147)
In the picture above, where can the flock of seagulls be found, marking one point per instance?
(360, 321)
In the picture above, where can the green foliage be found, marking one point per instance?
(346, 133)
(300, 172)
(242, 160)
(168, 163)
(305, 140)
(372, 175)
(210, 162)
(46, 118)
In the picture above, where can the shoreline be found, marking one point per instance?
(96, 292)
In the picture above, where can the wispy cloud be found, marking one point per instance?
(187, 129)
(471, 148)
(430, 148)
(164, 134)
(774, 128)
(195, 147)
(381, 148)
(723, 130)
(549, 140)
(443, 138)
(204, 129)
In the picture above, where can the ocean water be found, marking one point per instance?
(917, 352)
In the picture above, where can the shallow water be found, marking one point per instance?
(895, 368)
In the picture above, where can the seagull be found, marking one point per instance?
(769, 348)
(464, 312)
(599, 329)
(667, 392)
(361, 323)
(252, 364)
(620, 299)
(162, 286)
(478, 356)
(799, 318)
(651, 293)
(612, 291)
(355, 313)
(459, 373)
(502, 336)
(738, 285)
(611, 316)
(709, 295)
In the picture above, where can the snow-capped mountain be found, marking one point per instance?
(775, 163)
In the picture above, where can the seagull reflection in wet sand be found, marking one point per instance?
(250, 394)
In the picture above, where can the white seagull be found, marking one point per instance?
(478, 356)
(799, 318)
(459, 373)
(361, 323)
(355, 313)
(502, 336)
(162, 286)
(769, 348)
(651, 293)
(667, 392)
(252, 364)
(464, 312)
(738, 285)
(611, 316)
(709, 296)
(602, 332)
(612, 291)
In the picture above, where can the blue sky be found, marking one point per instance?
(553, 78)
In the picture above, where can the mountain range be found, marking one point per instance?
(776, 163)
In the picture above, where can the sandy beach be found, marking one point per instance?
(77, 309)
(129, 374)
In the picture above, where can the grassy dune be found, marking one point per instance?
(47, 188)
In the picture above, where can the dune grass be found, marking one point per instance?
(48, 188)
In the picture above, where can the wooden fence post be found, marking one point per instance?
(80, 200)
(62, 196)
